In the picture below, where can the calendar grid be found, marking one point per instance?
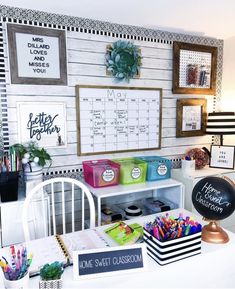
(112, 119)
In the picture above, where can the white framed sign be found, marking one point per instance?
(37, 55)
(43, 122)
(222, 157)
(95, 263)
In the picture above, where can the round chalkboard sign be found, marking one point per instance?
(214, 198)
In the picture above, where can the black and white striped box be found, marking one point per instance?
(173, 250)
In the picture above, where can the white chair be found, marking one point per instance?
(54, 203)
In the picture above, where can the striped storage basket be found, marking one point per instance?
(173, 250)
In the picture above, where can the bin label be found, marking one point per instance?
(135, 173)
(108, 175)
(162, 170)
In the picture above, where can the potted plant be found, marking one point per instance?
(33, 159)
(51, 276)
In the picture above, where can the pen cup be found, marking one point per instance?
(188, 166)
(9, 186)
(22, 283)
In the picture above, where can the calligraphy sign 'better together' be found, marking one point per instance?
(214, 198)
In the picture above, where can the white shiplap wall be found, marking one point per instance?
(85, 54)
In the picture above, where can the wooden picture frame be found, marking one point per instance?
(114, 119)
(37, 55)
(222, 157)
(194, 68)
(191, 117)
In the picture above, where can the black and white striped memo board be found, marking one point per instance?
(118, 119)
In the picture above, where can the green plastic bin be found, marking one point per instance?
(132, 171)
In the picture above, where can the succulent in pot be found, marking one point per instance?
(51, 275)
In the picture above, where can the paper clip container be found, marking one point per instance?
(101, 173)
(9, 186)
(132, 171)
(158, 168)
(173, 250)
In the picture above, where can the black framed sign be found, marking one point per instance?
(194, 68)
(222, 157)
(37, 55)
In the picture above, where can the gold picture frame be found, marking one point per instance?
(194, 68)
(191, 117)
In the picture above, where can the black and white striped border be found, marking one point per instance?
(84, 25)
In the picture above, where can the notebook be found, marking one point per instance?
(123, 234)
(60, 248)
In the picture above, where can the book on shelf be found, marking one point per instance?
(59, 248)
(123, 234)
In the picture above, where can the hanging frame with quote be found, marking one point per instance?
(37, 55)
(42, 122)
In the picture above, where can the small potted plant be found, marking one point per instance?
(51, 276)
(33, 159)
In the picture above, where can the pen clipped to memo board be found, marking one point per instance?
(118, 119)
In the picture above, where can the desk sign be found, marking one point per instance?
(37, 55)
(109, 261)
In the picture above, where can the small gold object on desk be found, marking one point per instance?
(213, 233)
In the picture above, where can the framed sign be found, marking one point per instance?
(190, 117)
(194, 68)
(222, 157)
(37, 55)
(118, 119)
(43, 122)
(95, 263)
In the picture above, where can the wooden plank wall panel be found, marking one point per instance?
(86, 66)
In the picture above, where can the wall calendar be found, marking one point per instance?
(118, 119)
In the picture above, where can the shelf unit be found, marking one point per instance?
(169, 189)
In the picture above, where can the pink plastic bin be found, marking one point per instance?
(101, 173)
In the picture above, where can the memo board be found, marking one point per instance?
(118, 119)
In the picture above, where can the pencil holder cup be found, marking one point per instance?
(22, 283)
(9, 186)
(188, 166)
(173, 250)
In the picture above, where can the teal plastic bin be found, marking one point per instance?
(158, 168)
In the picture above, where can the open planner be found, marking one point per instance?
(59, 248)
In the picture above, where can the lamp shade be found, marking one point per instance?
(220, 123)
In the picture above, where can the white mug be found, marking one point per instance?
(188, 166)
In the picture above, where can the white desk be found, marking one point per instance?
(214, 268)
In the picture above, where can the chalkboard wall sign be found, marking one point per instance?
(43, 122)
(118, 119)
(37, 55)
(109, 261)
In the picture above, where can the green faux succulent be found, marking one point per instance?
(52, 271)
(123, 60)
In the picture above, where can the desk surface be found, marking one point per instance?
(214, 268)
